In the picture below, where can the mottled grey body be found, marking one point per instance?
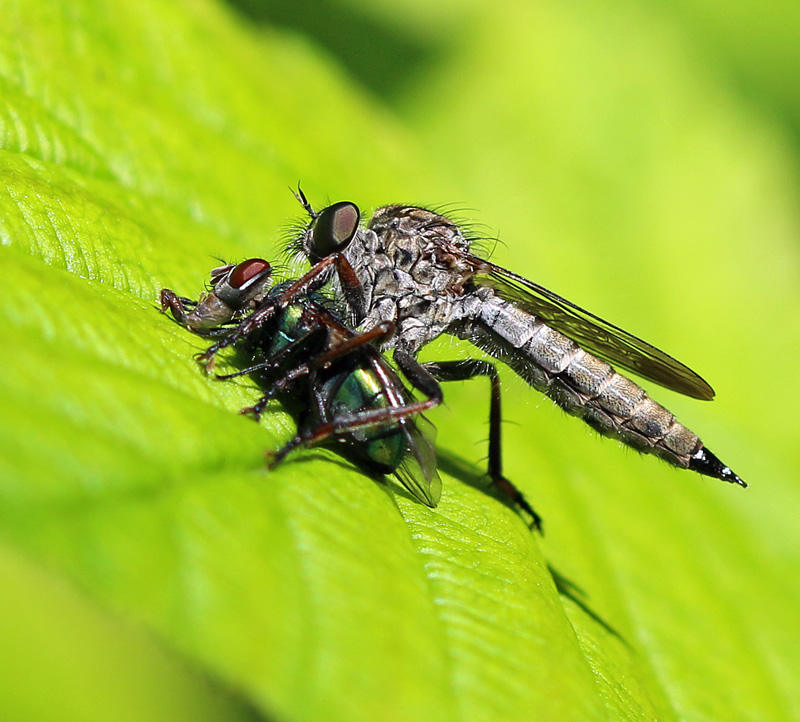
(416, 270)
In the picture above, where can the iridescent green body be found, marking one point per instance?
(361, 389)
(334, 379)
(356, 383)
(349, 387)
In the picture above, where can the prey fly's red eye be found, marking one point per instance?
(247, 271)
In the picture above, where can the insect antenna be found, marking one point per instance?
(301, 197)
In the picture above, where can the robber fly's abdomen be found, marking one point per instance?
(582, 384)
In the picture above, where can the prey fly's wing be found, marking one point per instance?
(592, 333)
(417, 471)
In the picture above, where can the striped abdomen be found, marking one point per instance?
(582, 384)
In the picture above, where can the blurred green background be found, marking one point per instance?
(638, 158)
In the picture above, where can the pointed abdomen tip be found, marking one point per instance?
(704, 462)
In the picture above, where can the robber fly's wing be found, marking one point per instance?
(593, 334)
(417, 472)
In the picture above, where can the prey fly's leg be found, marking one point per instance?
(271, 364)
(258, 408)
(462, 370)
(177, 304)
(275, 361)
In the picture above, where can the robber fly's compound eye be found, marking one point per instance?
(334, 227)
(246, 271)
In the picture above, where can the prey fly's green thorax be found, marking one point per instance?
(334, 379)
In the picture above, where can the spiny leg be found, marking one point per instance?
(463, 370)
(326, 428)
(337, 426)
(354, 343)
(276, 360)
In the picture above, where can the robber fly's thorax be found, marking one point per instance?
(414, 271)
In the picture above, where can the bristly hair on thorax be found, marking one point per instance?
(481, 244)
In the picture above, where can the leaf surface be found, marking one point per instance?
(141, 141)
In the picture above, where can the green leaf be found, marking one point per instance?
(140, 141)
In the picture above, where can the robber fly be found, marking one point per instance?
(335, 379)
(414, 268)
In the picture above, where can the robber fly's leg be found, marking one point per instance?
(323, 360)
(256, 320)
(418, 376)
(378, 333)
(326, 429)
(277, 360)
(177, 304)
(352, 288)
(276, 388)
(463, 370)
(342, 425)
(345, 424)
(319, 275)
(308, 283)
(400, 409)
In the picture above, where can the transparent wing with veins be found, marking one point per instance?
(592, 333)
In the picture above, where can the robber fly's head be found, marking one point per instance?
(331, 230)
(235, 290)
